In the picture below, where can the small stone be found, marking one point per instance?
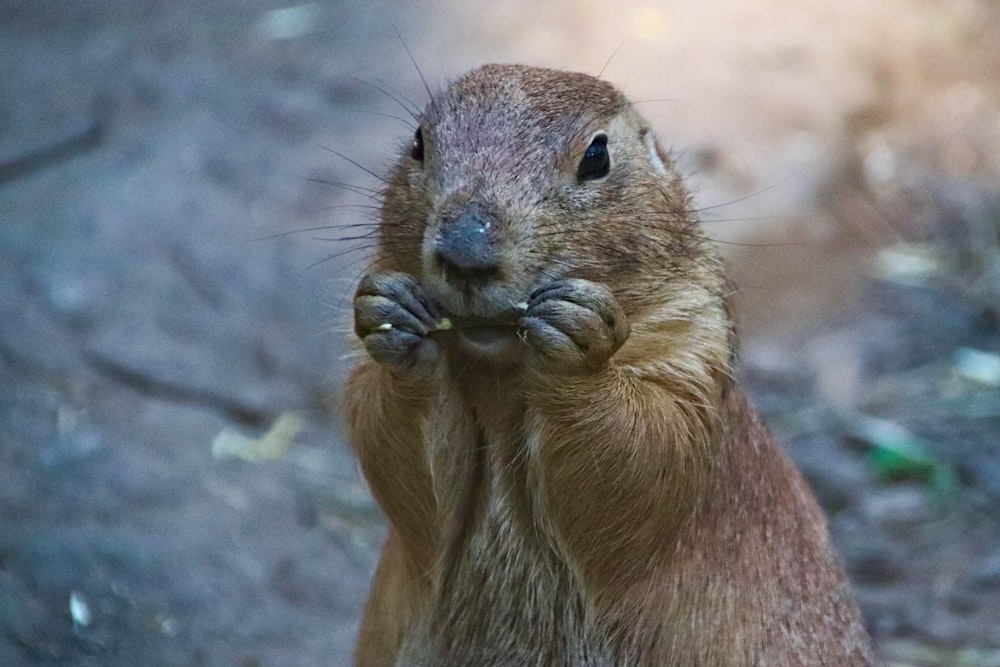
(899, 506)
(76, 293)
(166, 624)
(78, 444)
(79, 610)
(987, 574)
(287, 23)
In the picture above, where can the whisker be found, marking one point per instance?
(650, 100)
(610, 58)
(320, 228)
(413, 112)
(430, 95)
(372, 235)
(384, 115)
(363, 168)
(368, 209)
(371, 193)
(371, 224)
(744, 197)
(336, 255)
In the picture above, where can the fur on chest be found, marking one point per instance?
(503, 598)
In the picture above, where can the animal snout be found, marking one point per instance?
(466, 247)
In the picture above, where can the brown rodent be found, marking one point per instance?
(547, 413)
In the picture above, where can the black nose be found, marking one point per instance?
(466, 247)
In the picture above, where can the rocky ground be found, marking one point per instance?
(156, 160)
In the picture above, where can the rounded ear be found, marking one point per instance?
(657, 157)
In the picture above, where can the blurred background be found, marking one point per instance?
(174, 489)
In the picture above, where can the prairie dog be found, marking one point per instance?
(547, 415)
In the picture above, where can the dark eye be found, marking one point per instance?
(417, 148)
(595, 162)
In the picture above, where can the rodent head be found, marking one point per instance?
(517, 176)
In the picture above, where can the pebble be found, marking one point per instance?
(987, 574)
(76, 293)
(898, 506)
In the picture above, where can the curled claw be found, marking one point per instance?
(574, 323)
(392, 316)
(402, 289)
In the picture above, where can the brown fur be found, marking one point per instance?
(599, 496)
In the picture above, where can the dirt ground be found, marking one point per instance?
(157, 160)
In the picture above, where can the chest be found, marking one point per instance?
(503, 598)
(502, 593)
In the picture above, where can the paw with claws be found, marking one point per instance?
(392, 317)
(574, 325)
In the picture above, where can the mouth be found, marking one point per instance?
(480, 323)
(492, 339)
(488, 340)
(495, 346)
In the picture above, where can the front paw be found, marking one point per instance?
(392, 317)
(574, 324)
